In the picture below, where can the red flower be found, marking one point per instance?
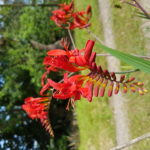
(71, 88)
(36, 107)
(63, 15)
(77, 58)
(81, 19)
(66, 18)
(59, 62)
(72, 61)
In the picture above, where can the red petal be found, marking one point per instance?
(61, 62)
(103, 87)
(90, 86)
(92, 58)
(84, 92)
(117, 88)
(88, 49)
(44, 88)
(56, 52)
(80, 61)
(55, 85)
(75, 78)
(110, 90)
(102, 91)
(96, 90)
(62, 95)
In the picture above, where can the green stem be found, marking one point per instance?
(125, 72)
(72, 40)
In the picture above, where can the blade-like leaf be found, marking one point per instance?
(142, 15)
(139, 63)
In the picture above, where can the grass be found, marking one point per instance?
(95, 120)
(129, 38)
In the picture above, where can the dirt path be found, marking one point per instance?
(117, 102)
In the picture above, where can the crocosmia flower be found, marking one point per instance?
(96, 83)
(73, 60)
(81, 19)
(63, 15)
(71, 88)
(37, 108)
(67, 18)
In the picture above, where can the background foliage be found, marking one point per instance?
(20, 74)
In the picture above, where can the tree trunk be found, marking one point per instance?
(40, 46)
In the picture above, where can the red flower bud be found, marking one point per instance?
(99, 69)
(117, 88)
(106, 74)
(89, 12)
(130, 80)
(113, 76)
(125, 89)
(110, 89)
(94, 67)
(103, 87)
(96, 90)
(132, 87)
(92, 58)
(122, 78)
(88, 49)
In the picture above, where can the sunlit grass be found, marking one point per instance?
(129, 38)
(95, 119)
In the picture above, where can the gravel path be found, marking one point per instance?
(118, 101)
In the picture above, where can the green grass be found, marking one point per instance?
(129, 38)
(95, 120)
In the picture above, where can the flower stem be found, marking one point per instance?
(92, 34)
(141, 8)
(138, 5)
(72, 40)
(125, 72)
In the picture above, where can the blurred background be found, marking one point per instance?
(26, 33)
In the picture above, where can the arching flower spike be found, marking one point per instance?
(37, 108)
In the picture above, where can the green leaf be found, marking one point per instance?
(139, 63)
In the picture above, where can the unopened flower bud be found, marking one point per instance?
(96, 90)
(113, 76)
(106, 73)
(94, 67)
(88, 49)
(99, 69)
(122, 78)
(92, 58)
(133, 89)
(117, 88)
(89, 12)
(110, 89)
(130, 80)
(140, 83)
(102, 89)
(125, 89)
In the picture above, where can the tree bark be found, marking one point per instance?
(40, 46)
